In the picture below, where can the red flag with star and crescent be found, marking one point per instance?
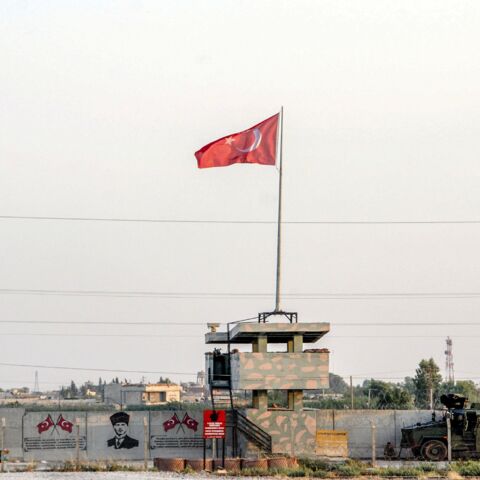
(45, 424)
(171, 422)
(65, 424)
(254, 145)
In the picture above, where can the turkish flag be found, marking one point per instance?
(65, 424)
(190, 422)
(171, 422)
(45, 425)
(255, 145)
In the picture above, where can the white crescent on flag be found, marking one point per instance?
(256, 143)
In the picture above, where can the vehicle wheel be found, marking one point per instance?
(434, 451)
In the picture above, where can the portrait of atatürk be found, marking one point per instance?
(120, 421)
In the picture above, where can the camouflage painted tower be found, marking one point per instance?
(276, 370)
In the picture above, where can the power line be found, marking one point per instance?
(404, 324)
(101, 322)
(81, 322)
(242, 222)
(377, 375)
(199, 337)
(86, 369)
(114, 335)
(243, 295)
(336, 324)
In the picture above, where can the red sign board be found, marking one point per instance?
(214, 423)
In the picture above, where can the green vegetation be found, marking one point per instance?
(413, 392)
(96, 467)
(355, 468)
(312, 468)
(469, 468)
(427, 379)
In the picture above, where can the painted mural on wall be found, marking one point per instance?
(178, 429)
(52, 431)
(116, 435)
(121, 439)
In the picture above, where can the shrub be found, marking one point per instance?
(470, 468)
(313, 464)
(296, 473)
(428, 467)
(399, 472)
(319, 474)
(254, 472)
(347, 470)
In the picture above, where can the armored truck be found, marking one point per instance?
(429, 440)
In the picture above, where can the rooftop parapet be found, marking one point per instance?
(274, 332)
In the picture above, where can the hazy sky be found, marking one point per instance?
(102, 106)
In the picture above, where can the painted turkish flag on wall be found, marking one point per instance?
(255, 145)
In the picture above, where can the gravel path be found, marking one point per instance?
(108, 476)
(99, 476)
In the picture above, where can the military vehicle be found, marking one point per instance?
(429, 440)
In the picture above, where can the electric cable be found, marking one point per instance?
(241, 222)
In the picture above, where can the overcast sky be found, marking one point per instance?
(102, 107)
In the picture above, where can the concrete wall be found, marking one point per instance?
(294, 432)
(52, 435)
(179, 433)
(13, 430)
(279, 371)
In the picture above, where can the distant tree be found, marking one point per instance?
(383, 395)
(427, 382)
(164, 380)
(467, 388)
(73, 390)
(337, 384)
(409, 385)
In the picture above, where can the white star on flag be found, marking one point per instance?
(229, 140)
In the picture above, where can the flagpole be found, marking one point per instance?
(279, 221)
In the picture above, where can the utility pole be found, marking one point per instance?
(36, 387)
(351, 392)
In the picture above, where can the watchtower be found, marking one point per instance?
(277, 361)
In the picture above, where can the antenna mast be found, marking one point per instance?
(449, 362)
(36, 387)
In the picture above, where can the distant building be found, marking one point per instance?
(141, 394)
(195, 391)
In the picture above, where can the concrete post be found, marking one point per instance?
(298, 343)
(2, 444)
(145, 443)
(260, 399)
(77, 442)
(449, 437)
(295, 400)
(374, 445)
(260, 345)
